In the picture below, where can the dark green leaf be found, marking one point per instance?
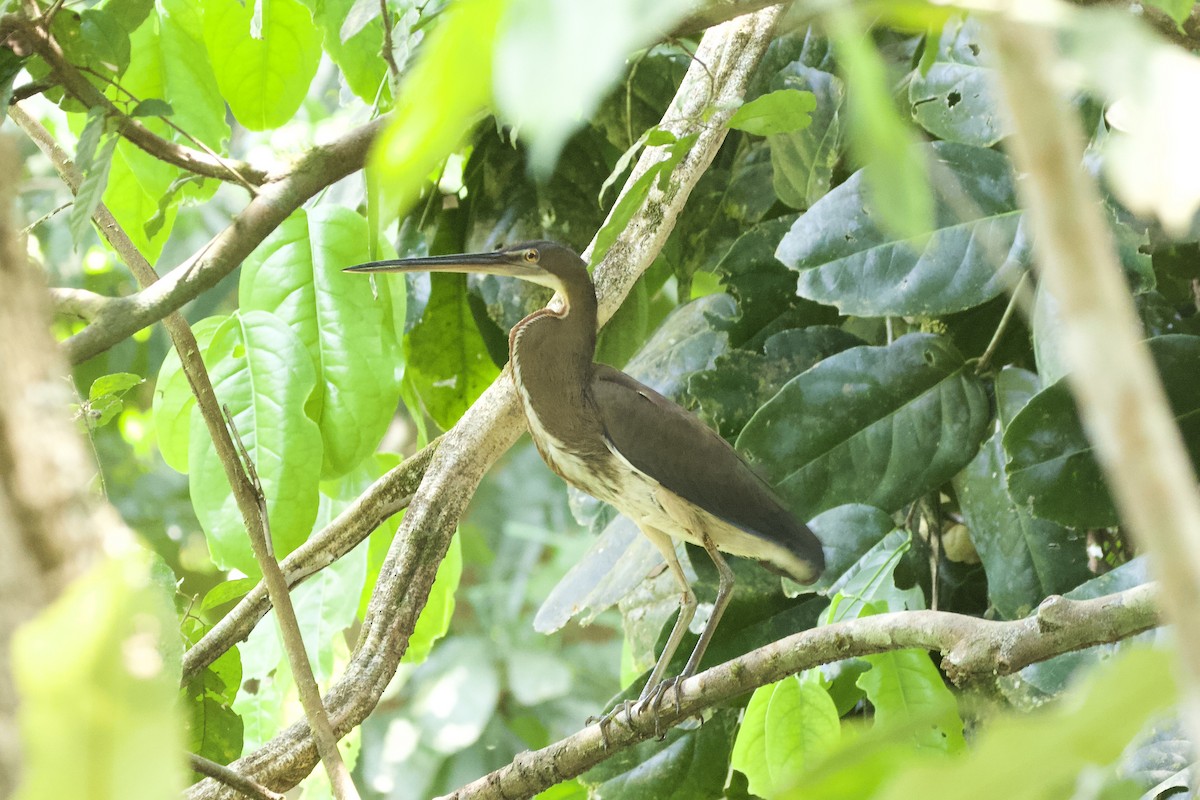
(10, 67)
(446, 355)
(780, 111)
(975, 248)
(874, 425)
(1051, 468)
(1025, 558)
(214, 729)
(955, 98)
(847, 533)
(688, 765)
(741, 381)
(871, 580)
(802, 162)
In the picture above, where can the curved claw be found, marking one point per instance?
(606, 720)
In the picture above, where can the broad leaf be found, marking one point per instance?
(787, 728)
(873, 425)
(907, 690)
(447, 359)
(1051, 467)
(847, 534)
(955, 99)
(780, 111)
(296, 274)
(975, 248)
(802, 161)
(689, 765)
(264, 55)
(260, 369)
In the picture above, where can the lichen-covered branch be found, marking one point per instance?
(970, 648)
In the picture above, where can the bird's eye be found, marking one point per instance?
(531, 256)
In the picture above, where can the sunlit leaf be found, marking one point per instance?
(780, 111)
(261, 370)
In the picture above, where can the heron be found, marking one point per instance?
(620, 441)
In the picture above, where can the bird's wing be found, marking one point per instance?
(675, 448)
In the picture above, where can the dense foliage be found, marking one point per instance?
(837, 300)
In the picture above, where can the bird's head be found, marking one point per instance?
(541, 262)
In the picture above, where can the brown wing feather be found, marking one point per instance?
(673, 447)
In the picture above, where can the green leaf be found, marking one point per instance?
(897, 187)
(296, 274)
(871, 580)
(152, 107)
(116, 384)
(454, 75)
(906, 690)
(106, 39)
(264, 55)
(975, 248)
(214, 728)
(687, 765)
(1054, 746)
(802, 161)
(11, 65)
(587, 44)
(847, 534)
(787, 728)
(103, 722)
(1178, 10)
(954, 99)
(631, 201)
(1025, 558)
(260, 369)
(447, 358)
(873, 425)
(353, 38)
(780, 111)
(94, 160)
(173, 398)
(740, 381)
(226, 592)
(1051, 468)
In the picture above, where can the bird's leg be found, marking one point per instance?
(724, 593)
(687, 610)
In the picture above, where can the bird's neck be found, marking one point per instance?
(552, 351)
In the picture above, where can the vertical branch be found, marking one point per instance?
(1121, 402)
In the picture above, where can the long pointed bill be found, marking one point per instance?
(486, 263)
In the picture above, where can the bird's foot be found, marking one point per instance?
(605, 720)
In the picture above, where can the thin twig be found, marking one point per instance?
(1014, 300)
(234, 780)
(78, 86)
(289, 629)
(389, 56)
